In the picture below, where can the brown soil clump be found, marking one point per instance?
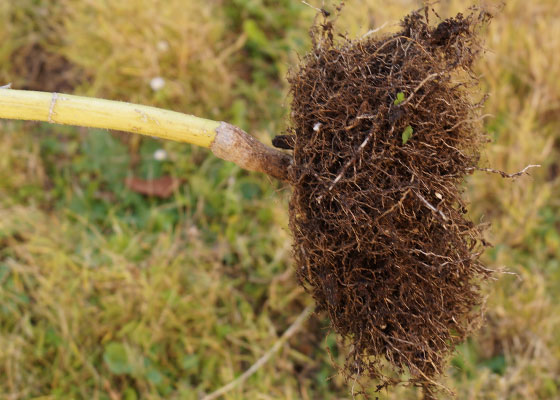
(385, 130)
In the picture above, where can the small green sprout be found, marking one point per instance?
(407, 134)
(399, 99)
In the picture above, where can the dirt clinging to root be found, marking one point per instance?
(385, 131)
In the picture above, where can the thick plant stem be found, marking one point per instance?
(97, 113)
(234, 144)
(225, 140)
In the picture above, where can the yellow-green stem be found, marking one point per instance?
(106, 114)
(225, 140)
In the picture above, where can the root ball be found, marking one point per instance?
(385, 131)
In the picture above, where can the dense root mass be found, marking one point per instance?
(385, 130)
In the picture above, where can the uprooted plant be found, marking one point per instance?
(383, 132)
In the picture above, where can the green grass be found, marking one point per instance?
(108, 294)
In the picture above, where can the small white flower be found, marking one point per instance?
(193, 232)
(157, 83)
(160, 155)
(317, 126)
(162, 45)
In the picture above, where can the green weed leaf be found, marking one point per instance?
(496, 364)
(254, 33)
(116, 358)
(407, 134)
(154, 376)
(189, 362)
(130, 394)
(399, 99)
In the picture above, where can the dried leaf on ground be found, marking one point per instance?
(162, 187)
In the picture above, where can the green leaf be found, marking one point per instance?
(249, 190)
(189, 362)
(52, 338)
(154, 376)
(496, 364)
(407, 134)
(254, 33)
(116, 358)
(130, 394)
(399, 99)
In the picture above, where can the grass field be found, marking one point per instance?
(109, 294)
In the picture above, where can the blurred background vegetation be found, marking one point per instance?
(106, 293)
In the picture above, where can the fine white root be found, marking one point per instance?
(506, 175)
